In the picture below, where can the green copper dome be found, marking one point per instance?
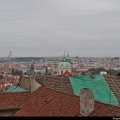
(64, 64)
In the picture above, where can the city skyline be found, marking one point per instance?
(50, 27)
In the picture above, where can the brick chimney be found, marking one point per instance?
(34, 85)
(29, 83)
(86, 102)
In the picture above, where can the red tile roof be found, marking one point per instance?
(114, 83)
(102, 109)
(47, 102)
(58, 83)
(13, 100)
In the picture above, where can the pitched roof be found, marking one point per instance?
(97, 84)
(47, 102)
(114, 83)
(102, 109)
(16, 88)
(12, 100)
(58, 83)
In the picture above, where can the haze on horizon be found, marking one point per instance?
(50, 27)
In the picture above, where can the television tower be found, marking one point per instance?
(10, 56)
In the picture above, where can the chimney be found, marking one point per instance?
(29, 83)
(86, 101)
(34, 85)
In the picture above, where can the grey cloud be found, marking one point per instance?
(48, 27)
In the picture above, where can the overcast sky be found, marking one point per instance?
(50, 27)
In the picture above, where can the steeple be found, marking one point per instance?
(65, 58)
(68, 58)
(64, 54)
(65, 64)
(67, 54)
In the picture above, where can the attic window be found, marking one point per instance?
(49, 99)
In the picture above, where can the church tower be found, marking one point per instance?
(65, 64)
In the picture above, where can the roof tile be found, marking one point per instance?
(12, 100)
(61, 104)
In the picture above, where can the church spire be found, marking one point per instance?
(63, 58)
(64, 54)
(68, 57)
(67, 54)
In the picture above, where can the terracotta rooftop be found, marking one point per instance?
(58, 83)
(47, 102)
(12, 100)
(114, 83)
